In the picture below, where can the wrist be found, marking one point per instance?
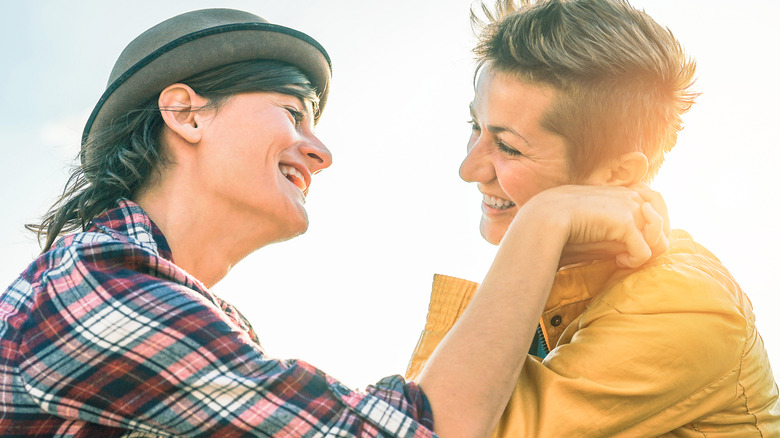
(545, 219)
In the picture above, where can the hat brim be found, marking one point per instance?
(205, 50)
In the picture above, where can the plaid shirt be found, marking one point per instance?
(105, 336)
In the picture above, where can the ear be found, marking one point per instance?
(178, 106)
(626, 171)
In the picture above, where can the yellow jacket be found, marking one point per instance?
(670, 349)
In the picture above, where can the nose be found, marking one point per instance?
(475, 167)
(318, 155)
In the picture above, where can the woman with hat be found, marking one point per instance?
(200, 151)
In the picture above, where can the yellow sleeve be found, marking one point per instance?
(449, 298)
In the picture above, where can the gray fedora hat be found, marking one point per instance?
(195, 42)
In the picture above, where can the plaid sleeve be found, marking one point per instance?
(111, 343)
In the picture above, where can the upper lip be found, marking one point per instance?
(303, 170)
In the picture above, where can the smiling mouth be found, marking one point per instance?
(294, 176)
(497, 203)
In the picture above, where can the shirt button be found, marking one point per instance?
(556, 320)
(340, 389)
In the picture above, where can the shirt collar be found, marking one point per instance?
(129, 222)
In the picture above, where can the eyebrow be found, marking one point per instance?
(308, 106)
(500, 129)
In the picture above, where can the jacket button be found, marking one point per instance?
(556, 320)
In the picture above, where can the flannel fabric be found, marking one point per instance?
(105, 336)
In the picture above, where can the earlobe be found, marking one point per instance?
(178, 104)
(630, 168)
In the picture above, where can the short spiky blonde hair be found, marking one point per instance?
(622, 80)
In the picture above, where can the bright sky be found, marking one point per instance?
(350, 296)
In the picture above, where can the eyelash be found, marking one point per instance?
(506, 149)
(499, 144)
(297, 115)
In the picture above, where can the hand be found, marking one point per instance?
(603, 221)
(658, 204)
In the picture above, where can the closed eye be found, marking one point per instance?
(503, 147)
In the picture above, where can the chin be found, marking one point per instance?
(298, 227)
(288, 226)
(290, 233)
(491, 233)
(303, 221)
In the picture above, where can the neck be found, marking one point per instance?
(205, 240)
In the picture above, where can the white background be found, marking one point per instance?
(350, 296)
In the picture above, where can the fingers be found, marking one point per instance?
(635, 218)
(642, 244)
(656, 201)
(638, 235)
(654, 225)
(653, 231)
(638, 250)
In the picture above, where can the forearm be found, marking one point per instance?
(470, 376)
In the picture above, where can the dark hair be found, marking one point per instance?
(119, 161)
(622, 81)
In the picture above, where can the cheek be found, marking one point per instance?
(522, 182)
(518, 182)
(235, 170)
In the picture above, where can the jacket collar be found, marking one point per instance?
(575, 288)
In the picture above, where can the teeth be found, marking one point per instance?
(497, 203)
(294, 175)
